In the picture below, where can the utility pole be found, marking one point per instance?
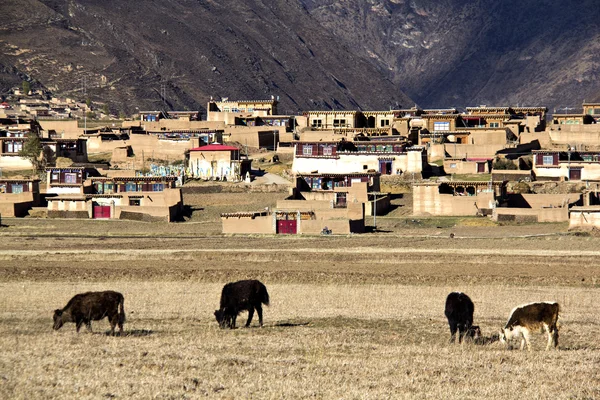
(375, 213)
(85, 99)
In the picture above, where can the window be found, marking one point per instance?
(441, 126)
(307, 150)
(385, 122)
(17, 188)
(453, 165)
(157, 187)
(315, 183)
(226, 109)
(548, 160)
(134, 202)
(70, 178)
(339, 123)
(131, 187)
(494, 124)
(109, 188)
(14, 147)
(54, 177)
(327, 150)
(317, 123)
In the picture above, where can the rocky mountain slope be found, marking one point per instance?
(178, 53)
(314, 54)
(466, 53)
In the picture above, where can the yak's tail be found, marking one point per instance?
(264, 295)
(122, 311)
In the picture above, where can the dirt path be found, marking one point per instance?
(355, 250)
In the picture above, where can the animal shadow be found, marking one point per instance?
(485, 340)
(132, 333)
(288, 324)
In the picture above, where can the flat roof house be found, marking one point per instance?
(386, 157)
(135, 198)
(17, 196)
(218, 162)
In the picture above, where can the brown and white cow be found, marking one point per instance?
(532, 317)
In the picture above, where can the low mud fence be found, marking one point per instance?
(273, 188)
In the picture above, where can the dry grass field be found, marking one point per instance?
(351, 317)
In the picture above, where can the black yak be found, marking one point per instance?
(92, 306)
(241, 296)
(528, 317)
(459, 311)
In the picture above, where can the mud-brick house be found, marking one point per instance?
(218, 162)
(323, 120)
(227, 110)
(456, 198)
(73, 149)
(587, 215)
(136, 198)
(589, 115)
(336, 202)
(17, 196)
(151, 116)
(566, 165)
(472, 165)
(73, 179)
(386, 157)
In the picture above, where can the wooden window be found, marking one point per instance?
(494, 124)
(548, 159)
(339, 123)
(131, 187)
(307, 150)
(441, 126)
(317, 123)
(134, 202)
(327, 150)
(16, 188)
(157, 187)
(109, 187)
(385, 122)
(70, 178)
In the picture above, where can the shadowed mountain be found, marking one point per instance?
(466, 53)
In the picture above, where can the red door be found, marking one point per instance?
(480, 168)
(575, 174)
(287, 227)
(101, 212)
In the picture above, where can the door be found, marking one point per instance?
(385, 167)
(480, 168)
(287, 227)
(101, 212)
(575, 174)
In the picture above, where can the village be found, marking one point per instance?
(504, 163)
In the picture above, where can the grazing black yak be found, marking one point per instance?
(241, 296)
(459, 311)
(92, 306)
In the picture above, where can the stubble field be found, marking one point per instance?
(351, 317)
